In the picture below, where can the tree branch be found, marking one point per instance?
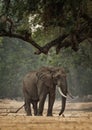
(15, 35)
(55, 42)
(40, 50)
(59, 42)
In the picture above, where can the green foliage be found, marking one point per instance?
(63, 13)
(47, 19)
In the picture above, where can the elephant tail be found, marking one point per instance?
(16, 110)
(19, 108)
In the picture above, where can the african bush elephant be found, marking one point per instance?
(38, 84)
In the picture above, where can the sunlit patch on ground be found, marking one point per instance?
(78, 116)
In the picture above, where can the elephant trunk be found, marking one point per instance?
(63, 105)
(63, 91)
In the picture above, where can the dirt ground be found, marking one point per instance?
(78, 116)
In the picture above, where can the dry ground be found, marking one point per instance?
(78, 116)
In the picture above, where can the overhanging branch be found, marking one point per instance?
(55, 42)
(59, 42)
(40, 50)
(14, 35)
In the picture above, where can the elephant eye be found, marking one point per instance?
(58, 77)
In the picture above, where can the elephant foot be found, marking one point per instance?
(39, 114)
(49, 114)
(35, 113)
(29, 114)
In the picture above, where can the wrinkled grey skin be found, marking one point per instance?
(38, 84)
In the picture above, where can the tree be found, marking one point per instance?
(20, 18)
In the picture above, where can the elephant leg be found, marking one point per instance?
(51, 103)
(27, 107)
(41, 103)
(35, 107)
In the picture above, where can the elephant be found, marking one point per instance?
(40, 83)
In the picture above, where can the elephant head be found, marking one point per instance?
(59, 79)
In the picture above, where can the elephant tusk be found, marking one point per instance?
(61, 92)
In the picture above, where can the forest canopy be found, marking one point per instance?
(73, 20)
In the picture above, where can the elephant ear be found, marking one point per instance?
(44, 75)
